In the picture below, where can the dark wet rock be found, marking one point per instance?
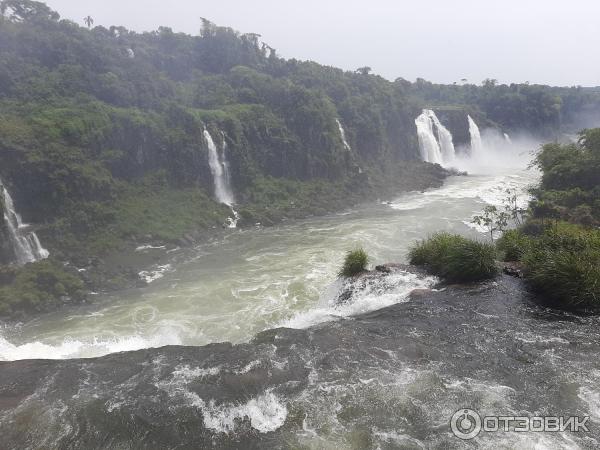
(514, 269)
(406, 367)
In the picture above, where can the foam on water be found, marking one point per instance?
(156, 273)
(76, 348)
(376, 294)
(266, 411)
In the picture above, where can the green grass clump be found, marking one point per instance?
(512, 245)
(455, 258)
(355, 262)
(564, 266)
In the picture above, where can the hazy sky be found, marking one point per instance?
(544, 41)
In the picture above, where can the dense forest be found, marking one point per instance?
(101, 129)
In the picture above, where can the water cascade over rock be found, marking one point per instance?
(435, 141)
(219, 168)
(25, 244)
(476, 142)
(343, 135)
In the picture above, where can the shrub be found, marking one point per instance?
(564, 266)
(455, 258)
(39, 287)
(355, 262)
(512, 245)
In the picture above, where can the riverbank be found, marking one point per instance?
(137, 250)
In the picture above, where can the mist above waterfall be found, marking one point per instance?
(488, 150)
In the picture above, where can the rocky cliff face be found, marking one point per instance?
(455, 119)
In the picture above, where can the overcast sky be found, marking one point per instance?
(541, 41)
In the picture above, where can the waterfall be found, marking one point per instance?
(476, 143)
(343, 135)
(25, 243)
(445, 140)
(507, 138)
(435, 141)
(219, 168)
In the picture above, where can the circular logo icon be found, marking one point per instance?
(465, 424)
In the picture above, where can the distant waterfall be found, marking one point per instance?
(435, 141)
(343, 135)
(507, 138)
(476, 142)
(25, 243)
(219, 168)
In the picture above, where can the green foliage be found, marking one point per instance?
(355, 262)
(564, 266)
(455, 258)
(492, 219)
(560, 245)
(38, 287)
(512, 245)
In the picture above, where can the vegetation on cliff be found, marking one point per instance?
(101, 129)
(559, 245)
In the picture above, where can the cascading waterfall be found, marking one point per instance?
(507, 138)
(219, 168)
(444, 139)
(435, 141)
(25, 243)
(343, 135)
(476, 142)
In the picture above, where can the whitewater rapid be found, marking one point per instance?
(258, 279)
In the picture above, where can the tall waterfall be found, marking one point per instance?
(219, 168)
(25, 243)
(507, 138)
(435, 141)
(343, 135)
(476, 142)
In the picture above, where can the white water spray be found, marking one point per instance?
(507, 139)
(435, 141)
(219, 168)
(476, 142)
(25, 243)
(343, 135)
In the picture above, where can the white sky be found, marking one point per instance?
(541, 41)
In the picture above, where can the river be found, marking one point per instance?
(383, 370)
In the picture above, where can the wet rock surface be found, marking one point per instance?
(387, 379)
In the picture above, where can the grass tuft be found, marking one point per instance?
(355, 262)
(455, 258)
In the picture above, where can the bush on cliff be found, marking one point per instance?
(38, 287)
(355, 262)
(564, 265)
(455, 258)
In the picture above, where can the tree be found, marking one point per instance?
(27, 10)
(89, 21)
(364, 70)
(492, 219)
